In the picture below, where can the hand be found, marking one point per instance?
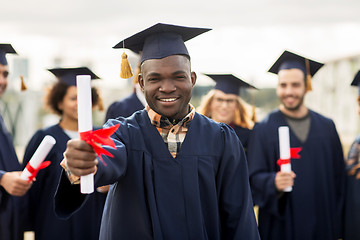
(80, 158)
(15, 185)
(284, 180)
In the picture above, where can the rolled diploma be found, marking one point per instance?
(39, 156)
(284, 145)
(85, 122)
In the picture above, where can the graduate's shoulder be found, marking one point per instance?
(326, 121)
(133, 119)
(209, 126)
(271, 119)
(52, 130)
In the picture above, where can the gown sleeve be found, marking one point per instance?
(68, 198)
(235, 201)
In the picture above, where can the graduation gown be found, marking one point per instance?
(11, 208)
(85, 224)
(352, 201)
(203, 193)
(243, 134)
(124, 107)
(313, 210)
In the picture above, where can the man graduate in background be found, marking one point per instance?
(11, 185)
(175, 173)
(313, 209)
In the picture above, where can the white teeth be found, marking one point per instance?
(168, 99)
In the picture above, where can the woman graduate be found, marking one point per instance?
(352, 201)
(85, 224)
(223, 104)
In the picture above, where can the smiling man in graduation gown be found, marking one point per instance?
(11, 185)
(175, 173)
(313, 209)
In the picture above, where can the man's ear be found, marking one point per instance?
(141, 81)
(193, 78)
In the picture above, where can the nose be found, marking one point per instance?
(288, 90)
(167, 86)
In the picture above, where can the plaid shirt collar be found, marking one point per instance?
(163, 122)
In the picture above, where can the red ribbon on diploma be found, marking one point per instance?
(294, 153)
(34, 171)
(99, 138)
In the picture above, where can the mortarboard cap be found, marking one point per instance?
(4, 49)
(289, 60)
(356, 81)
(229, 83)
(161, 40)
(68, 75)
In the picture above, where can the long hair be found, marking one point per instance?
(242, 117)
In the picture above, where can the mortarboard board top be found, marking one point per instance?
(161, 40)
(289, 60)
(68, 75)
(356, 81)
(228, 83)
(4, 49)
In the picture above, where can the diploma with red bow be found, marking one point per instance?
(97, 139)
(286, 153)
(36, 162)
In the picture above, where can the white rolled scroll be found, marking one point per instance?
(39, 156)
(284, 146)
(83, 83)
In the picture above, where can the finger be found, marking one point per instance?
(90, 162)
(79, 145)
(83, 172)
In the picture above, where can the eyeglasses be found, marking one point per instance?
(223, 100)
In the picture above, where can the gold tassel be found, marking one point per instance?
(126, 71)
(308, 76)
(23, 85)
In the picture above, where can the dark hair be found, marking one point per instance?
(57, 93)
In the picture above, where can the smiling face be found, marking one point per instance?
(291, 89)
(4, 72)
(167, 84)
(68, 105)
(223, 107)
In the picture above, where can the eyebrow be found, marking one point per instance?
(174, 73)
(154, 74)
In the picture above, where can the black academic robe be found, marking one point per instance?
(203, 193)
(313, 210)
(85, 224)
(243, 134)
(11, 208)
(124, 107)
(352, 201)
